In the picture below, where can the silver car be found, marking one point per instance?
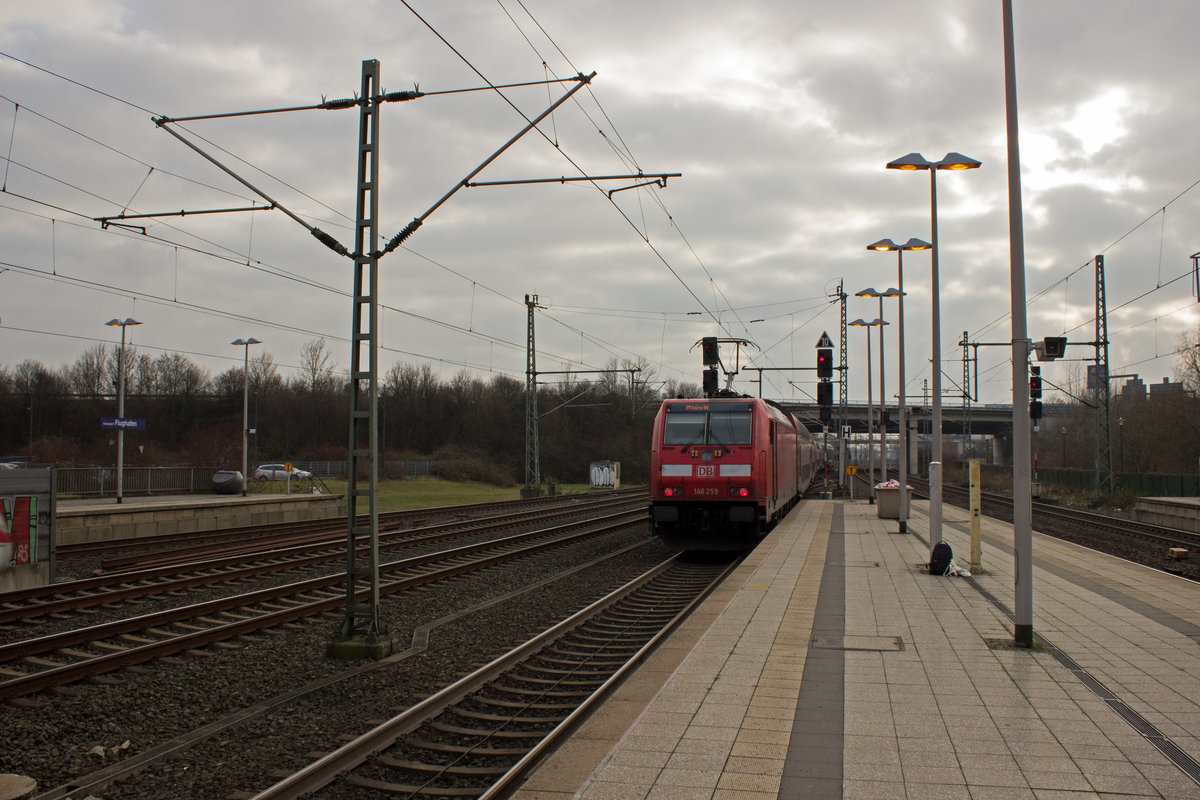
(279, 472)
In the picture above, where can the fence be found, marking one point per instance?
(1144, 484)
(102, 481)
(407, 468)
(136, 480)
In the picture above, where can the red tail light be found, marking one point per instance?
(740, 491)
(668, 491)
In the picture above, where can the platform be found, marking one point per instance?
(831, 665)
(1173, 512)
(100, 519)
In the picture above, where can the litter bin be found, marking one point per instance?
(227, 481)
(887, 502)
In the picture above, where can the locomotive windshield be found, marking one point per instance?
(710, 426)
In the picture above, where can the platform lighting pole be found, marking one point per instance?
(861, 323)
(889, 292)
(885, 245)
(910, 162)
(112, 323)
(245, 343)
(1022, 488)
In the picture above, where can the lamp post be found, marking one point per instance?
(123, 324)
(861, 323)
(882, 383)
(1064, 438)
(910, 162)
(245, 343)
(885, 245)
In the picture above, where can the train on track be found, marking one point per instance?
(724, 470)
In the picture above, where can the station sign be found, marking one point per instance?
(122, 424)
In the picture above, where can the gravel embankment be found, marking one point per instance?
(61, 735)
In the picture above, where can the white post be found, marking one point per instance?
(1022, 486)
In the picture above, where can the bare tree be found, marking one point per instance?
(141, 374)
(85, 377)
(316, 367)
(1187, 371)
(180, 377)
(31, 376)
(264, 375)
(112, 366)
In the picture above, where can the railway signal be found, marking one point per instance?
(824, 362)
(825, 400)
(1035, 392)
(708, 351)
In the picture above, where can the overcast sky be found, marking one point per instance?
(779, 115)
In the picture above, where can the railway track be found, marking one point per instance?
(34, 665)
(1048, 517)
(476, 737)
(455, 629)
(187, 568)
(1140, 542)
(393, 519)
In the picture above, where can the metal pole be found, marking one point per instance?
(245, 416)
(935, 487)
(1022, 488)
(883, 468)
(903, 516)
(871, 417)
(120, 417)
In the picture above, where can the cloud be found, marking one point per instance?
(779, 115)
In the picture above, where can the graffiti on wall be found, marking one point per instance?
(18, 530)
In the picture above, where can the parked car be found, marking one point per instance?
(278, 472)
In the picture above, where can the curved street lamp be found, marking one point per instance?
(908, 163)
(885, 245)
(123, 324)
(245, 343)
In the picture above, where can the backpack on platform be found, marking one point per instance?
(940, 559)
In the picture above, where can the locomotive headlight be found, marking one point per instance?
(669, 491)
(740, 491)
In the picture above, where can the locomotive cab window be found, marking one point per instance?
(730, 427)
(726, 427)
(684, 428)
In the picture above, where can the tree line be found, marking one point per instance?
(52, 416)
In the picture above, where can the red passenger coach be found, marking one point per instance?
(724, 470)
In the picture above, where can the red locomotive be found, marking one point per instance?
(723, 470)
